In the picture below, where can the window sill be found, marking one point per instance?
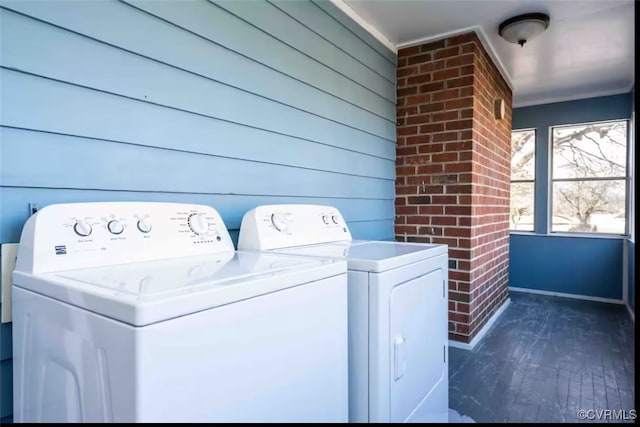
(576, 235)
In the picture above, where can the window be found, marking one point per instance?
(589, 177)
(523, 143)
(631, 228)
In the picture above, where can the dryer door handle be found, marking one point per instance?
(399, 361)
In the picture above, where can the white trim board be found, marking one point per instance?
(340, 4)
(625, 271)
(518, 101)
(565, 295)
(344, 7)
(483, 331)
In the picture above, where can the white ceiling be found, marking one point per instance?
(588, 49)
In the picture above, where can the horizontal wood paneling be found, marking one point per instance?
(35, 104)
(356, 29)
(272, 21)
(332, 30)
(214, 37)
(15, 202)
(232, 33)
(96, 164)
(50, 51)
(231, 105)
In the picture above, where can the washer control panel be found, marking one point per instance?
(281, 226)
(79, 235)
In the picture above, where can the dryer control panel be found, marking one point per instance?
(282, 226)
(81, 235)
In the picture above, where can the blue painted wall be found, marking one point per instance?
(231, 104)
(632, 274)
(631, 245)
(573, 265)
(555, 263)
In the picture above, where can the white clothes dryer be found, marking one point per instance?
(143, 312)
(398, 327)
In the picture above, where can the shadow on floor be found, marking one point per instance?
(545, 359)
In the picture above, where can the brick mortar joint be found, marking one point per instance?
(481, 321)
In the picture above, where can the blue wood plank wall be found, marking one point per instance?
(582, 265)
(227, 103)
(631, 274)
(631, 242)
(587, 266)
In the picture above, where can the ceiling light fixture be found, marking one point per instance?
(522, 28)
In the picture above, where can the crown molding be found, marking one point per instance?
(340, 4)
(344, 7)
(484, 39)
(574, 97)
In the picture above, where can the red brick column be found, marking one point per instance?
(453, 171)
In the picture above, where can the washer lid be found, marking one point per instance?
(147, 292)
(371, 256)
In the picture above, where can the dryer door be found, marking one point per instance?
(418, 337)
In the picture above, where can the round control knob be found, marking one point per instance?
(198, 224)
(279, 222)
(115, 227)
(334, 219)
(325, 219)
(144, 225)
(82, 228)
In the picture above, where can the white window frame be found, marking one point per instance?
(631, 193)
(551, 180)
(532, 181)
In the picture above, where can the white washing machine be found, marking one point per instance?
(143, 312)
(398, 327)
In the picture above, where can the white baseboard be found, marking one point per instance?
(482, 332)
(633, 317)
(564, 295)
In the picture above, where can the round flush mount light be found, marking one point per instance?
(522, 28)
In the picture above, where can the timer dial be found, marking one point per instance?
(279, 222)
(198, 224)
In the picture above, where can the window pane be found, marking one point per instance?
(589, 206)
(595, 150)
(522, 206)
(523, 144)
